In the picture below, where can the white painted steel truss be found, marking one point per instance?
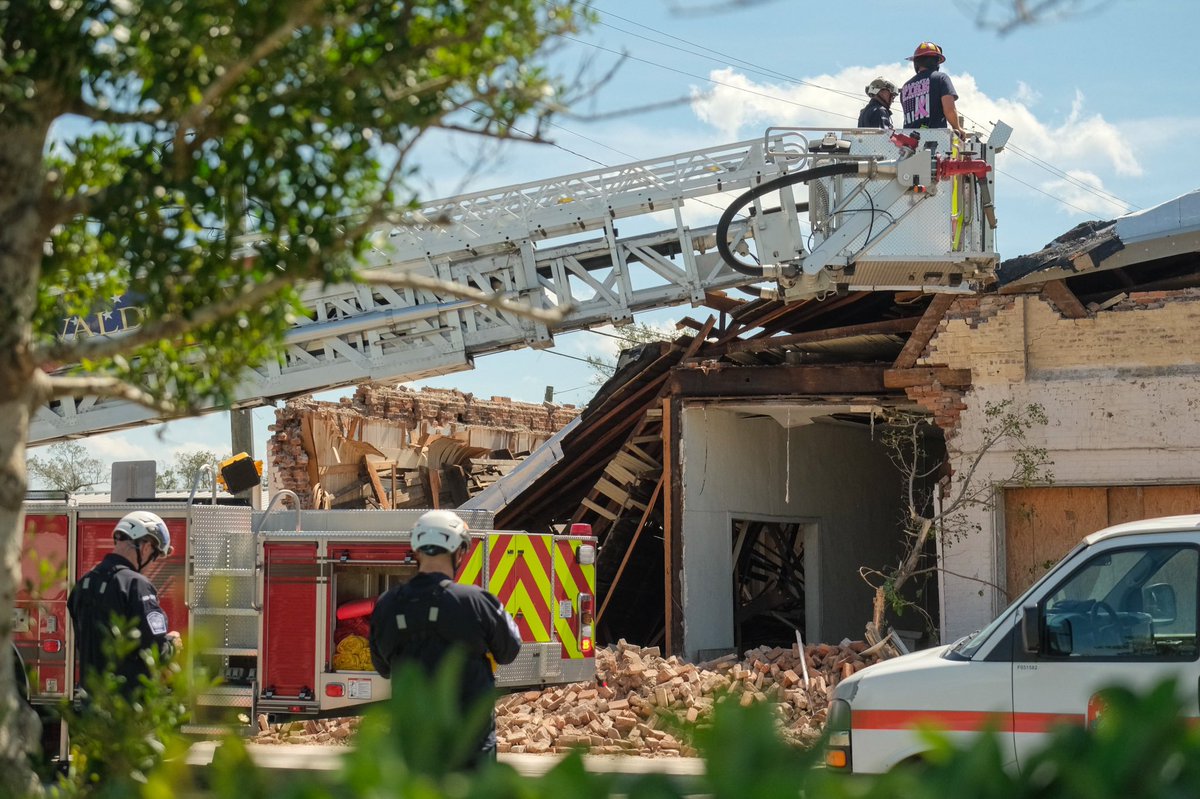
(555, 244)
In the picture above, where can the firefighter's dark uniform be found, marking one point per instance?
(424, 619)
(115, 589)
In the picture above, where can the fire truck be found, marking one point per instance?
(277, 603)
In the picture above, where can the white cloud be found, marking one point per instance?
(117, 447)
(1072, 192)
(1083, 144)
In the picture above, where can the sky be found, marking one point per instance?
(1099, 101)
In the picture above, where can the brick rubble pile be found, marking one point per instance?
(624, 711)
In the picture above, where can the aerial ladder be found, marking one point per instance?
(904, 210)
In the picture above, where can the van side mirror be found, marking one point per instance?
(1158, 600)
(1031, 633)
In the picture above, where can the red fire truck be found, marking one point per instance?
(279, 601)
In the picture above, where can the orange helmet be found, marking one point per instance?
(926, 49)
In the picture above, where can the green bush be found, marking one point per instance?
(410, 747)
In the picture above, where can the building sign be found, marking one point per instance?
(123, 316)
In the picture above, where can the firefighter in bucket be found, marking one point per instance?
(429, 616)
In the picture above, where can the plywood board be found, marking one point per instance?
(1171, 500)
(1042, 524)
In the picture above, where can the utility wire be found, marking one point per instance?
(1041, 163)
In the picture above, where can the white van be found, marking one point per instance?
(1121, 608)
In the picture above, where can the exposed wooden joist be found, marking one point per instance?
(924, 331)
(720, 301)
(629, 549)
(1057, 292)
(376, 484)
(885, 327)
(927, 375)
(763, 381)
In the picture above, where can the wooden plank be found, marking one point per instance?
(380, 495)
(646, 458)
(1043, 524)
(612, 491)
(759, 381)
(627, 460)
(1126, 504)
(605, 512)
(1057, 292)
(672, 526)
(720, 301)
(927, 375)
(698, 340)
(629, 550)
(620, 473)
(924, 331)
(1177, 500)
(886, 327)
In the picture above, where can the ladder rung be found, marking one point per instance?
(224, 572)
(224, 612)
(231, 651)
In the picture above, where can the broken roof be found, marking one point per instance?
(1167, 230)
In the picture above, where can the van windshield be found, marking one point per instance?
(967, 647)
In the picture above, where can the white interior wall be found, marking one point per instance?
(830, 474)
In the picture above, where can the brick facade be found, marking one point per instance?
(1119, 388)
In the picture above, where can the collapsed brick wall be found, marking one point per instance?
(436, 407)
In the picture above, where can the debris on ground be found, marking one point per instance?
(637, 693)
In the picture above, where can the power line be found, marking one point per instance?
(1048, 194)
(707, 53)
(564, 355)
(713, 81)
(1036, 161)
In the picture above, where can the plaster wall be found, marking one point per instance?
(832, 475)
(1120, 391)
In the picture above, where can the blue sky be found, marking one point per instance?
(1100, 102)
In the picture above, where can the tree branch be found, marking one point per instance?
(495, 300)
(112, 117)
(98, 386)
(234, 72)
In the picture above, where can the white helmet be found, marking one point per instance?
(878, 85)
(439, 531)
(142, 523)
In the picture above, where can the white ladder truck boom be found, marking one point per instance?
(882, 212)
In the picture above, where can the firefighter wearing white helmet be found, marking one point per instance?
(116, 590)
(877, 113)
(430, 616)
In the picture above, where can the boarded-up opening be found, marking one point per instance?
(1043, 524)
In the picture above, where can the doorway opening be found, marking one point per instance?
(770, 585)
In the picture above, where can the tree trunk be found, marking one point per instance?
(22, 236)
(19, 727)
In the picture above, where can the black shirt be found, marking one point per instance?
(116, 590)
(922, 96)
(466, 617)
(875, 115)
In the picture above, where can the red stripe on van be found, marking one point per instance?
(961, 720)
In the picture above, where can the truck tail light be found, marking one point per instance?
(52, 645)
(335, 689)
(587, 606)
